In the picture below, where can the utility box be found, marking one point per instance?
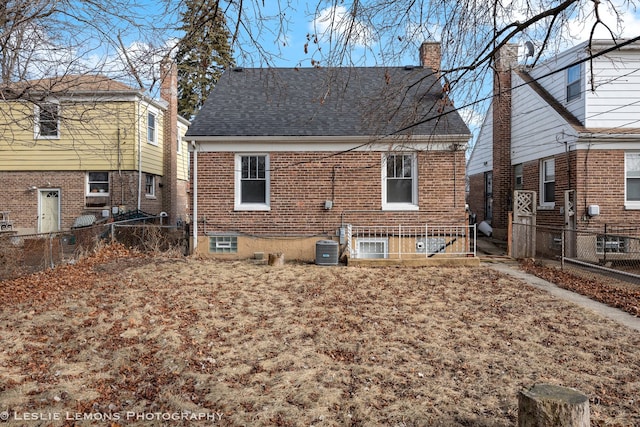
(327, 252)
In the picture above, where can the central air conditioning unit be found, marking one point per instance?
(327, 252)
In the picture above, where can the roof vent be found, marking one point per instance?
(238, 69)
(409, 67)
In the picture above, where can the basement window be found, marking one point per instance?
(372, 248)
(611, 244)
(223, 244)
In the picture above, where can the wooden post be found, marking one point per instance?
(545, 405)
(276, 259)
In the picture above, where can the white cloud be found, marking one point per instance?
(472, 117)
(338, 24)
(618, 17)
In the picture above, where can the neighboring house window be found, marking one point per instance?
(632, 180)
(547, 182)
(574, 86)
(399, 182)
(519, 178)
(252, 182)
(150, 185)
(151, 128)
(47, 120)
(97, 184)
(611, 244)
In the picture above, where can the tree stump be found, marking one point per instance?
(545, 405)
(276, 259)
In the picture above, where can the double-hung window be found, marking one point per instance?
(149, 185)
(47, 121)
(574, 85)
(399, 182)
(252, 182)
(152, 136)
(632, 180)
(548, 182)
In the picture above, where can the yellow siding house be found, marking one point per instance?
(88, 145)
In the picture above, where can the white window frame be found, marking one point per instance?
(37, 118)
(413, 205)
(576, 82)
(630, 204)
(149, 185)
(544, 180)
(223, 244)
(238, 205)
(88, 184)
(152, 132)
(360, 254)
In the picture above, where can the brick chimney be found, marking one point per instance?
(505, 60)
(169, 93)
(430, 56)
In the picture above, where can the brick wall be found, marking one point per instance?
(300, 184)
(476, 197)
(22, 202)
(598, 178)
(601, 181)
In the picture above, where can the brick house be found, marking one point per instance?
(81, 145)
(285, 157)
(568, 129)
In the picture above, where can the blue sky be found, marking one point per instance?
(287, 30)
(304, 18)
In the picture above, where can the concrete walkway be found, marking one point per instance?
(513, 269)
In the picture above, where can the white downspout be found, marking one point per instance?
(195, 197)
(139, 161)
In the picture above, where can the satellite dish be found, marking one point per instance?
(528, 49)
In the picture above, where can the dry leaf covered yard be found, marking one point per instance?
(144, 341)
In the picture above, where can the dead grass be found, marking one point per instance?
(306, 345)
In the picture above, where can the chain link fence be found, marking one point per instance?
(610, 253)
(25, 254)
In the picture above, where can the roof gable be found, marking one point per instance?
(358, 101)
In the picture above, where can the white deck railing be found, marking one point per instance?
(403, 241)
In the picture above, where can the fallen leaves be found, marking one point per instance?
(300, 344)
(626, 298)
(64, 279)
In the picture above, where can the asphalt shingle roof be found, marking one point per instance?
(67, 84)
(358, 101)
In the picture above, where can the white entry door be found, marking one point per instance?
(49, 211)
